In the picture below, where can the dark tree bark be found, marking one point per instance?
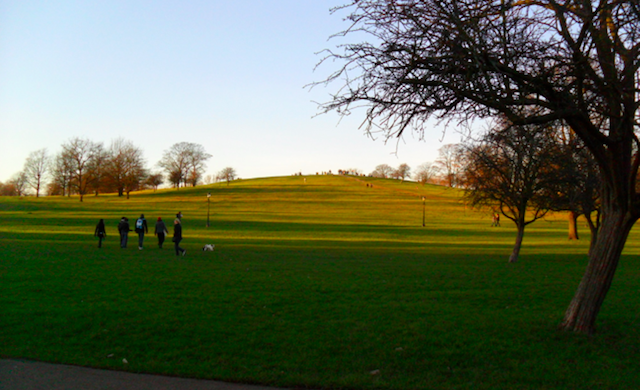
(594, 228)
(516, 248)
(581, 314)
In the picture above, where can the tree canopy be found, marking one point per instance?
(513, 169)
(184, 163)
(533, 62)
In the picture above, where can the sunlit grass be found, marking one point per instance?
(326, 284)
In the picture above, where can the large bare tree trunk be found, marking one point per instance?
(594, 227)
(573, 226)
(603, 260)
(516, 248)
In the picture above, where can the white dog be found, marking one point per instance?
(208, 247)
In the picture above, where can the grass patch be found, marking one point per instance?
(323, 284)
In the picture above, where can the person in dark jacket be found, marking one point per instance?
(123, 228)
(141, 229)
(100, 232)
(177, 237)
(161, 231)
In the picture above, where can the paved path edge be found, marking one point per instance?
(19, 374)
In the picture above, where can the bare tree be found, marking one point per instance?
(449, 163)
(61, 172)
(196, 162)
(98, 175)
(580, 195)
(175, 162)
(184, 163)
(155, 180)
(80, 153)
(7, 189)
(35, 168)
(425, 173)
(227, 174)
(382, 171)
(511, 170)
(402, 172)
(125, 167)
(19, 183)
(208, 179)
(576, 62)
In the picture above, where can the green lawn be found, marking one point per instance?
(323, 284)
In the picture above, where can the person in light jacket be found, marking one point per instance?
(141, 229)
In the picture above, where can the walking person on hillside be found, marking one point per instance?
(100, 232)
(141, 229)
(161, 232)
(123, 228)
(177, 237)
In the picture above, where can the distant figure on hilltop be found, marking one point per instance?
(100, 232)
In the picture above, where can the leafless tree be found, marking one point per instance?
(450, 163)
(35, 168)
(402, 172)
(184, 163)
(208, 179)
(61, 173)
(382, 171)
(155, 180)
(125, 166)
(7, 189)
(196, 162)
(97, 169)
(580, 195)
(80, 153)
(227, 174)
(576, 62)
(425, 173)
(19, 182)
(512, 170)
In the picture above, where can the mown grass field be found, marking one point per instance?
(326, 283)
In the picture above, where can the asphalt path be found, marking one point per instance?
(18, 374)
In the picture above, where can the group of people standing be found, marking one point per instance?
(141, 228)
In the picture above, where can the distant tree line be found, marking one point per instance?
(446, 169)
(86, 167)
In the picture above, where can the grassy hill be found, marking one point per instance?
(317, 281)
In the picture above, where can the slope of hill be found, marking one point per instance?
(317, 281)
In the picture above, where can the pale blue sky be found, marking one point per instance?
(228, 75)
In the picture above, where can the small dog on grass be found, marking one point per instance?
(208, 247)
